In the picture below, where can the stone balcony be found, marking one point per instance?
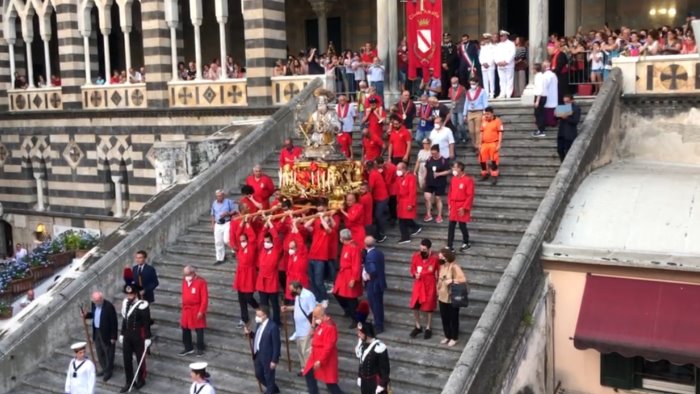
(207, 94)
(665, 74)
(286, 87)
(35, 99)
(118, 96)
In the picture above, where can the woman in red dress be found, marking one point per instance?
(424, 268)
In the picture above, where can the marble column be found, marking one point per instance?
(173, 50)
(387, 42)
(127, 50)
(11, 48)
(322, 8)
(490, 12)
(108, 61)
(88, 66)
(30, 61)
(538, 36)
(46, 38)
(198, 49)
(39, 191)
(222, 17)
(118, 202)
(572, 17)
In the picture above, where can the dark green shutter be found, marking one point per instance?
(616, 371)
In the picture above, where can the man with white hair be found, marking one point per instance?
(105, 332)
(221, 211)
(504, 57)
(195, 301)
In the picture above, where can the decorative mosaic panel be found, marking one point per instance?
(120, 96)
(285, 88)
(206, 94)
(681, 76)
(39, 99)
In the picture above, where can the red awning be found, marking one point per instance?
(655, 320)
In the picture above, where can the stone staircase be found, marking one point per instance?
(500, 216)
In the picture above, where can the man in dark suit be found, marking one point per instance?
(568, 127)
(469, 66)
(105, 331)
(145, 276)
(375, 282)
(266, 349)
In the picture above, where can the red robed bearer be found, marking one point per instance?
(424, 269)
(460, 200)
(348, 282)
(322, 364)
(406, 203)
(195, 300)
(262, 186)
(244, 281)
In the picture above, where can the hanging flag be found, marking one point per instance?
(423, 35)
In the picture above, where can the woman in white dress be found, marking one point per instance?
(419, 168)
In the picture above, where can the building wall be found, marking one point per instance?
(579, 370)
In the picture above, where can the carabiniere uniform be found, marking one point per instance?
(374, 366)
(135, 329)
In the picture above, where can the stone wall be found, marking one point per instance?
(485, 360)
(160, 221)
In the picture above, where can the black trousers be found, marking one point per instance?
(282, 278)
(349, 305)
(265, 376)
(563, 146)
(274, 299)
(451, 232)
(368, 386)
(392, 209)
(407, 227)
(105, 353)
(397, 160)
(133, 346)
(539, 114)
(450, 320)
(245, 299)
(187, 338)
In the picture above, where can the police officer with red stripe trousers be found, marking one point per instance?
(373, 374)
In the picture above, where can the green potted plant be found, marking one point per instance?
(86, 241)
(5, 310)
(58, 254)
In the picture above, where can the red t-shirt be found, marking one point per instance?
(366, 202)
(377, 186)
(397, 140)
(320, 242)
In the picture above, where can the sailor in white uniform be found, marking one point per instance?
(504, 56)
(80, 378)
(488, 66)
(200, 379)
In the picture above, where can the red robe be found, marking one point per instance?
(461, 195)
(350, 269)
(263, 188)
(406, 196)
(287, 156)
(355, 222)
(195, 299)
(244, 279)
(335, 238)
(297, 265)
(324, 348)
(367, 205)
(268, 260)
(252, 208)
(235, 227)
(425, 287)
(389, 174)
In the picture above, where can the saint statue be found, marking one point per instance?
(321, 129)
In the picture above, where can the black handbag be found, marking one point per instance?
(459, 295)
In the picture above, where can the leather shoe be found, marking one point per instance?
(100, 374)
(139, 384)
(124, 389)
(107, 377)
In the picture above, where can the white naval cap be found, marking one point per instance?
(504, 33)
(198, 366)
(487, 35)
(78, 346)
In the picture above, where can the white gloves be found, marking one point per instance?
(121, 339)
(147, 342)
(379, 389)
(359, 382)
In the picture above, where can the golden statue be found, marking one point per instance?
(321, 129)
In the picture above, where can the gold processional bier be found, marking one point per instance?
(321, 171)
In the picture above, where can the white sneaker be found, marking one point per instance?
(539, 134)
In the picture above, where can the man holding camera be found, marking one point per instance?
(221, 211)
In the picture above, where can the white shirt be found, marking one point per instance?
(442, 137)
(202, 388)
(348, 122)
(375, 73)
(84, 380)
(303, 303)
(539, 84)
(550, 89)
(258, 334)
(505, 52)
(486, 54)
(21, 254)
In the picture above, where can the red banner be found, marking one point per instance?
(424, 36)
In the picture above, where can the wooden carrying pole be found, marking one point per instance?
(286, 340)
(88, 337)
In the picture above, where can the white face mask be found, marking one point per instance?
(473, 86)
(399, 173)
(267, 245)
(258, 319)
(292, 252)
(244, 244)
(318, 322)
(455, 173)
(455, 85)
(188, 278)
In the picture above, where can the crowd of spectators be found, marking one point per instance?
(211, 71)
